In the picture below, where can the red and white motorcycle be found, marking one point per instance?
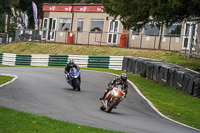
(112, 99)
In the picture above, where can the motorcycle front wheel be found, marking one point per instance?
(78, 85)
(111, 105)
(101, 106)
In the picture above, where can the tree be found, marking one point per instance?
(137, 13)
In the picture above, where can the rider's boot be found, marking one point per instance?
(68, 79)
(103, 96)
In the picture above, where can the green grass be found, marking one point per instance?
(4, 79)
(173, 103)
(52, 48)
(19, 122)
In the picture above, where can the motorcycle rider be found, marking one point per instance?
(122, 80)
(70, 65)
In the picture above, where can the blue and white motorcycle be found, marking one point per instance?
(74, 78)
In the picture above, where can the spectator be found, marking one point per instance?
(19, 30)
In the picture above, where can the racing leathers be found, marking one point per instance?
(114, 82)
(68, 67)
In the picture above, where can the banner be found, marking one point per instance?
(22, 17)
(26, 20)
(17, 13)
(6, 22)
(13, 11)
(40, 24)
(35, 15)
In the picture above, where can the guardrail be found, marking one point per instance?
(111, 62)
(164, 73)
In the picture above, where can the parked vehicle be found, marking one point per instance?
(112, 99)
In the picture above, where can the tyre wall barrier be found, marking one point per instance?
(1, 57)
(23, 60)
(164, 73)
(111, 62)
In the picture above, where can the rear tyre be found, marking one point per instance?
(111, 105)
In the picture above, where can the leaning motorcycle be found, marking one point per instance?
(74, 78)
(112, 99)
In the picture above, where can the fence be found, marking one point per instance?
(3, 38)
(152, 41)
(111, 62)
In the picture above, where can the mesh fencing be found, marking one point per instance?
(171, 42)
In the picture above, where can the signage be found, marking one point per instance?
(88, 9)
(56, 8)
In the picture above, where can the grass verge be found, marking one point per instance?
(19, 122)
(4, 79)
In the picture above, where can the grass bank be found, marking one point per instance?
(51, 48)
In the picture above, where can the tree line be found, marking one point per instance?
(136, 13)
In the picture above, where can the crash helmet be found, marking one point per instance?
(71, 62)
(124, 77)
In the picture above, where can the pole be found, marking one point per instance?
(190, 41)
(160, 36)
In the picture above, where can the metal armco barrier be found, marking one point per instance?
(111, 62)
(165, 74)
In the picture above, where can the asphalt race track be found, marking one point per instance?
(44, 91)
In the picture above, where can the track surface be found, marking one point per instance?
(44, 91)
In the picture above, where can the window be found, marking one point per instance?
(151, 29)
(173, 30)
(96, 25)
(80, 25)
(64, 24)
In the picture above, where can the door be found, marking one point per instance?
(45, 28)
(53, 29)
(189, 35)
(112, 31)
(49, 29)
